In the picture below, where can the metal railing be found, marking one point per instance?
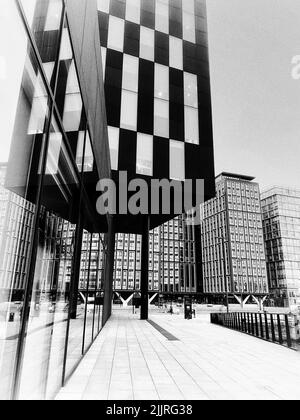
(276, 328)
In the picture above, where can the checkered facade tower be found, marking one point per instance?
(158, 102)
(157, 88)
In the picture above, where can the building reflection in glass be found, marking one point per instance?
(281, 222)
(50, 311)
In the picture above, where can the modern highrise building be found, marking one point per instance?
(233, 221)
(157, 90)
(158, 102)
(173, 268)
(281, 223)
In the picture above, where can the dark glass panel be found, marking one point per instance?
(49, 302)
(44, 18)
(23, 117)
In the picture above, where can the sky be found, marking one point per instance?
(256, 101)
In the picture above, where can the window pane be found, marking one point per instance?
(72, 81)
(53, 15)
(45, 25)
(191, 125)
(116, 33)
(130, 73)
(44, 345)
(87, 308)
(144, 164)
(189, 27)
(103, 5)
(80, 149)
(23, 118)
(103, 54)
(129, 110)
(72, 112)
(114, 136)
(88, 154)
(66, 48)
(133, 11)
(190, 90)
(176, 53)
(162, 16)
(189, 6)
(161, 82)
(177, 160)
(161, 118)
(147, 44)
(69, 101)
(86, 162)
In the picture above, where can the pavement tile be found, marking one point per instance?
(130, 360)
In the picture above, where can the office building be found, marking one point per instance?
(281, 223)
(157, 90)
(173, 268)
(233, 220)
(158, 102)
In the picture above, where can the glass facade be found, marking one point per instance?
(281, 222)
(155, 60)
(52, 262)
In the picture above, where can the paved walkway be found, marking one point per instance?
(132, 360)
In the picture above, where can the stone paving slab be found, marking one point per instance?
(132, 360)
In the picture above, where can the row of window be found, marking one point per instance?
(144, 154)
(158, 15)
(129, 99)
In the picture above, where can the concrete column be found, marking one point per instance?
(76, 271)
(109, 272)
(145, 270)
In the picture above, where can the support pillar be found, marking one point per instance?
(76, 271)
(109, 272)
(145, 270)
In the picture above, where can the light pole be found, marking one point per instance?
(220, 238)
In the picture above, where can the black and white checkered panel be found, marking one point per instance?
(157, 86)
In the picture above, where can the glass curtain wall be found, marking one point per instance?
(51, 269)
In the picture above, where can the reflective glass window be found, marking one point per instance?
(49, 302)
(23, 117)
(66, 52)
(88, 164)
(189, 20)
(44, 18)
(191, 125)
(177, 160)
(147, 44)
(144, 154)
(72, 112)
(113, 137)
(190, 90)
(130, 73)
(161, 118)
(129, 110)
(103, 5)
(162, 16)
(103, 55)
(133, 11)
(68, 96)
(161, 82)
(176, 53)
(116, 30)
